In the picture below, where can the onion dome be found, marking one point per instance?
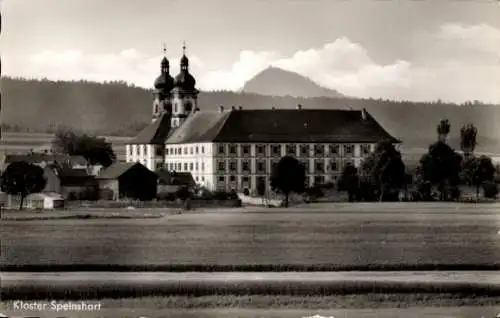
(164, 82)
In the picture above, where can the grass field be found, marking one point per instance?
(339, 234)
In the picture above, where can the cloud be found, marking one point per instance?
(458, 62)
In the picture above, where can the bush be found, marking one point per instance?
(183, 193)
(167, 196)
(490, 190)
(314, 192)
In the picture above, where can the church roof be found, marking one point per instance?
(283, 125)
(153, 134)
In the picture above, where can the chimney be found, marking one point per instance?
(299, 106)
(233, 107)
(221, 108)
(363, 114)
(240, 107)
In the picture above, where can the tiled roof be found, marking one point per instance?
(283, 125)
(153, 134)
(116, 170)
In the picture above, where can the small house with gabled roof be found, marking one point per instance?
(129, 180)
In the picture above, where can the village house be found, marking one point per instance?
(128, 180)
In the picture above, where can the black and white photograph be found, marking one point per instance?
(250, 158)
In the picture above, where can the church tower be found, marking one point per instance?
(163, 86)
(184, 94)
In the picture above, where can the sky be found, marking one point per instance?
(395, 49)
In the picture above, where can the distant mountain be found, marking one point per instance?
(275, 81)
(120, 109)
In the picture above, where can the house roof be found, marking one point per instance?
(119, 168)
(283, 125)
(153, 134)
(43, 157)
(175, 178)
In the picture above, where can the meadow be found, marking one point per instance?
(336, 236)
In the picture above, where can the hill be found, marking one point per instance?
(119, 109)
(274, 81)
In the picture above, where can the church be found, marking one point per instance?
(232, 148)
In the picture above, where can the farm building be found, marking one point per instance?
(45, 200)
(129, 180)
(68, 181)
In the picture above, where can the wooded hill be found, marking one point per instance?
(116, 108)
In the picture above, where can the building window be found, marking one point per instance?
(365, 150)
(245, 149)
(172, 167)
(185, 166)
(221, 178)
(334, 166)
(191, 166)
(276, 150)
(261, 167)
(319, 150)
(191, 150)
(319, 166)
(196, 167)
(130, 150)
(185, 150)
(202, 166)
(246, 179)
(197, 149)
(305, 163)
(348, 162)
(137, 150)
(319, 180)
(304, 150)
(274, 164)
(232, 149)
(221, 149)
(348, 150)
(245, 165)
(179, 166)
(334, 149)
(202, 149)
(233, 166)
(179, 150)
(196, 179)
(202, 178)
(158, 151)
(261, 150)
(290, 150)
(221, 166)
(232, 178)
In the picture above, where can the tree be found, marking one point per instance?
(443, 129)
(95, 150)
(349, 180)
(476, 171)
(385, 169)
(468, 140)
(22, 178)
(441, 166)
(261, 188)
(288, 176)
